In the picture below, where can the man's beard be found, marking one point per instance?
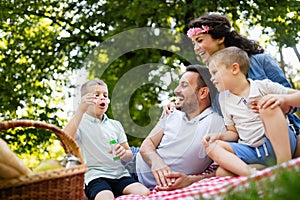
(189, 107)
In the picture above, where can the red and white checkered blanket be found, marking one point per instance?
(214, 187)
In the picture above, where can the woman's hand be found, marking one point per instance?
(272, 101)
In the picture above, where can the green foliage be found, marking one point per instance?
(281, 22)
(283, 185)
(43, 42)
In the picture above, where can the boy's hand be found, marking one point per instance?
(86, 101)
(120, 151)
(168, 109)
(253, 106)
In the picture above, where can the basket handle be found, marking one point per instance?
(68, 143)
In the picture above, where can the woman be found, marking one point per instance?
(213, 32)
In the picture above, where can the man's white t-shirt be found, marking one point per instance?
(181, 147)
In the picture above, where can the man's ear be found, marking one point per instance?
(203, 92)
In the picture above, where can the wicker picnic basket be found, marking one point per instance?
(57, 184)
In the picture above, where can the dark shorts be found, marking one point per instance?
(115, 185)
(263, 154)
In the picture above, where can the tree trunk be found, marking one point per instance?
(296, 52)
(282, 64)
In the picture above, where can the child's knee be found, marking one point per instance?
(136, 188)
(268, 112)
(212, 148)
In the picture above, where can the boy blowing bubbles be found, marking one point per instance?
(93, 131)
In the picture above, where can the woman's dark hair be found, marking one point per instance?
(220, 27)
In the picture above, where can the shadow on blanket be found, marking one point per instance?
(217, 187)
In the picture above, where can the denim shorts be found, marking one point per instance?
(263, 154)
(115, 185)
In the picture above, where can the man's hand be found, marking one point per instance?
(180, 180)
(160, 171)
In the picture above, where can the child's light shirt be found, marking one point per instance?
(237, 113)
(93, 137)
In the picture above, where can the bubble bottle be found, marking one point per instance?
(113, 144)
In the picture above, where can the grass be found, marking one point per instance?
(285, 184)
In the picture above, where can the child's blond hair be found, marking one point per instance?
(89, 83)
(229, 56)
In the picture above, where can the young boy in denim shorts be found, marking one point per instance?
(254, 135)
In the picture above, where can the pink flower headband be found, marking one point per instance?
(195, 31)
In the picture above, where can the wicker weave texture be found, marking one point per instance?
(58, 184)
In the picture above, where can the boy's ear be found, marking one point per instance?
(235, 68)
(107, 100)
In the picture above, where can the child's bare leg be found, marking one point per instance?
(136, 188)
(277, 132)
(223, 172)
(258, 166)
(222, 153)
(105, 194)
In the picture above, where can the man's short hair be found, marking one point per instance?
(204, 81)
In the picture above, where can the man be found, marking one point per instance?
(173, 148)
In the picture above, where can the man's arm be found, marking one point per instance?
(149, 145)
(150, 156)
